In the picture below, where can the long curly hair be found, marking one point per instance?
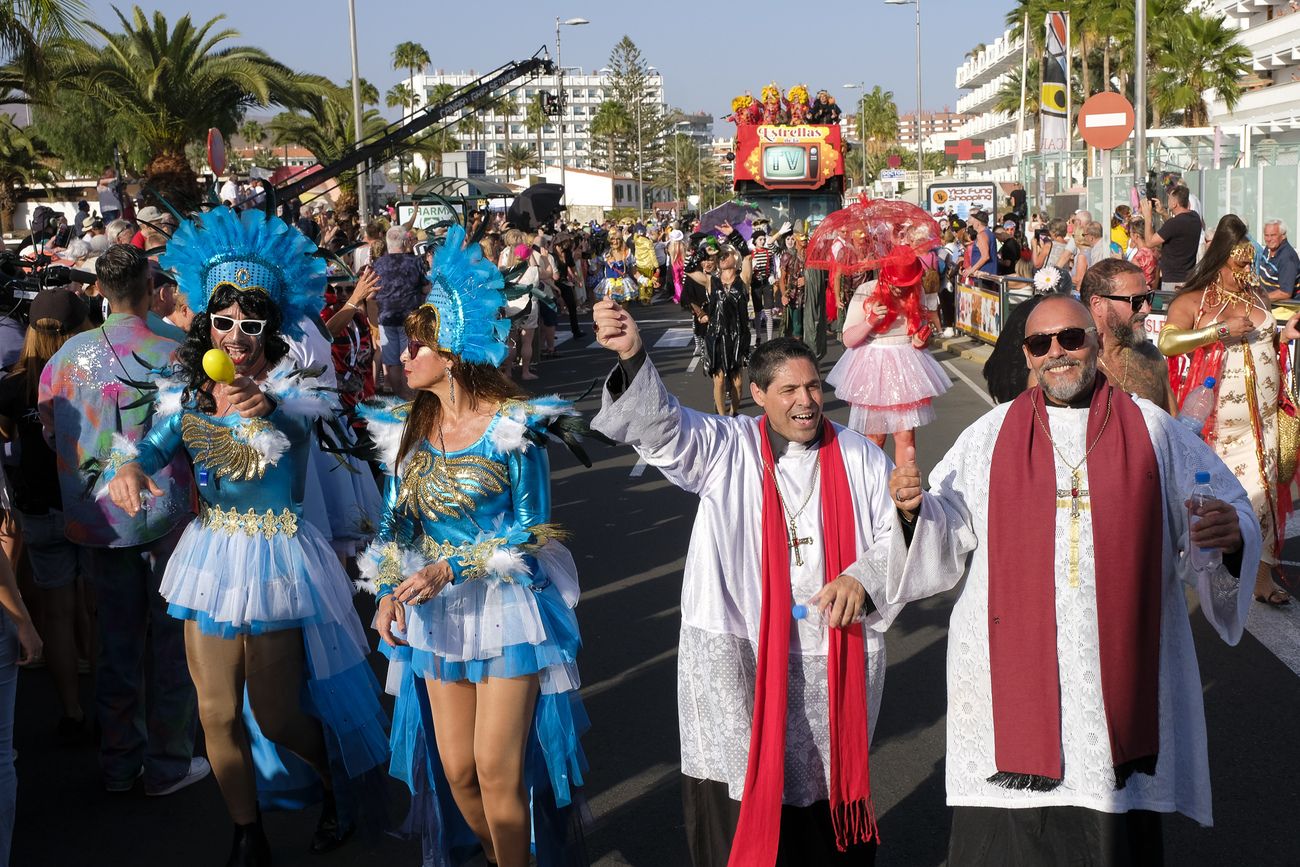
(478, 383)
(254, 304)
(1228, 234)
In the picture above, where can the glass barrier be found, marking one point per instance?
(984, 300)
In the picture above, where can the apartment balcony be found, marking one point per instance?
(986, 125)
(982, 97)
(992, 60)
(1277, 104)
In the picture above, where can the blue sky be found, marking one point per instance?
(707, 51)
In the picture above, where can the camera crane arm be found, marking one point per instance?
(393, 141)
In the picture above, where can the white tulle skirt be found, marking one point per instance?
(491, 627)
(890, 385)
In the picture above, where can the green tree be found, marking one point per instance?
(470, 125)
(410, 56)
(505, 106)
(170, 84)
(29, 30)
(25, 161)
(629, 77)
(1196, 53)
(610, 126)
(400, 96)
(253, 133)
(432, 145)
(516, 160)
(536, 120)
(879, 118)
(325, 128)
(369, 93)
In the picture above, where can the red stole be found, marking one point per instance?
(1127, 514)
(759, 830)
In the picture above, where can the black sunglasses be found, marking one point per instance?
(251, 327)
(1136, 300)
(1069, 338)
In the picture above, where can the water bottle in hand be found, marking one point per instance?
(1198, 406)
(811, 613)
(1202, 559)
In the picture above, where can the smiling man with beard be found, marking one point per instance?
(1075, 714)
(1117, 296)
(775, 714)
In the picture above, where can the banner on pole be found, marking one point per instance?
(1053, 122)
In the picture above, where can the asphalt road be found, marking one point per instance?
(630, 532)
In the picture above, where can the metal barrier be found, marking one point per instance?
(984, 300)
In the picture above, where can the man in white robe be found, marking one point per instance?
(721, 460)
(1102, 810)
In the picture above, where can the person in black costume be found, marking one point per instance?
(1006, 372)
(726, 345)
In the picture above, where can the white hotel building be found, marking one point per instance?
(982, 75)
(586, 91)
(1270, 101)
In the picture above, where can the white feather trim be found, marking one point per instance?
(388, 439)
(375, 560)
(121, 451)
(269, 442)
(506, 563)
(297, 394)
(168, 400)
(510, 435)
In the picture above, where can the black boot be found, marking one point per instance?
(249, 848)
(330, 832)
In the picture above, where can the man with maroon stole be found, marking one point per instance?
(1074, 700)
(775, 714)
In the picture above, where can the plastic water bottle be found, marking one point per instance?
(813, 615)
(1198, 406)
(1202, 559)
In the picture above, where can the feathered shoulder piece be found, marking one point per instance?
(468, 292)
(385, 419)
(301, 391)
(521, 424)
(252, 252)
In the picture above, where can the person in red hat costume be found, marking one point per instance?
(886, 374)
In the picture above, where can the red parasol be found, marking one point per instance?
(860, 237)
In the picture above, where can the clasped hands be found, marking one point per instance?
(416, 589)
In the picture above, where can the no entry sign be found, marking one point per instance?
(1106, 120)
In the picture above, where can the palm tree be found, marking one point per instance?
(431, 146)
(880, 118)
(516, 159)
(369, 93)
(1197, 54)
(171, 84)
(470, 125)
(400, 96)
(506, 107)
(28, 29)
(325, 129)
(252, 132)
(25, 161)
(535, 121)
(611, 124)
(410, 56)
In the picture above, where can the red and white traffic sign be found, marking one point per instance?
(1106, 120)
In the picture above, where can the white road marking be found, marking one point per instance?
(695, 362)
(638, 468)
(966, 379)
(1278, 629)
(674, 338)
(591, 690)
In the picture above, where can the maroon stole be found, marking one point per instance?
(852, 815)
(1127, 513)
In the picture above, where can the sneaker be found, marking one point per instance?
(119, 787)
(199, 768)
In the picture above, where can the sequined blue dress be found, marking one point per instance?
(486, 511)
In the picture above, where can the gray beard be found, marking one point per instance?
(1069, 393)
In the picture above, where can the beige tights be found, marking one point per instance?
(271, 666)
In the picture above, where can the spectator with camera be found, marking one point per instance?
(1178, 240)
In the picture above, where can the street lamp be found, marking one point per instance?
(640, 185)
(920, 152)
(862, 128)
(559, 79)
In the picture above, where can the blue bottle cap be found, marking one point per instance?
(1202, 478)
(1210, 381)
(800, 612)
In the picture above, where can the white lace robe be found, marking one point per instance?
(719, 459)
(950, 541)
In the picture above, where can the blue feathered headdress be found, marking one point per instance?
(249, 251)
(468, 294)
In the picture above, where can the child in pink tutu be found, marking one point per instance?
(885, 373)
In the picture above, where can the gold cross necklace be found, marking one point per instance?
(795, 542)
(1076, 492)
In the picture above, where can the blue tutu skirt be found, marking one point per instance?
(488, 628)
(232, 584)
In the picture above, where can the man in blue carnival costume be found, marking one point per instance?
(476, 593)
(265, 602)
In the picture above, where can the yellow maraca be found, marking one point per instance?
(218, 366)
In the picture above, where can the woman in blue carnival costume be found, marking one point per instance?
(476, 593)
(266, 602)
